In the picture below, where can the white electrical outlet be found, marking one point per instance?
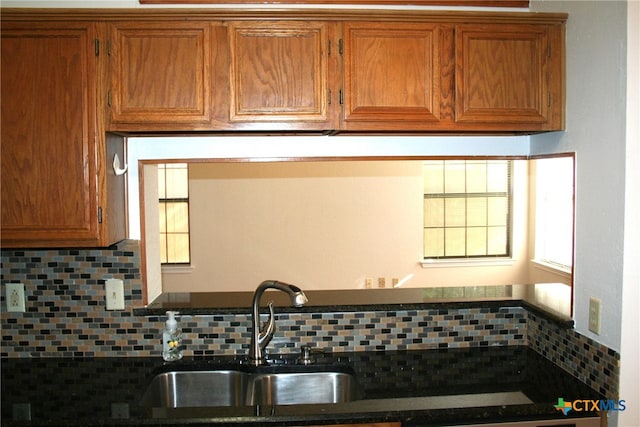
(15, 297)
(21, 411)
(114, 289)
(594, 315)
(119, 410)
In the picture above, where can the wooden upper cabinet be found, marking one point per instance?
(477, 73)
(161, 75)
(54, 184)
(280, 75)
(391, 76)
(330, 71)
(509, 77)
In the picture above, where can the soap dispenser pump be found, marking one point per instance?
(171, 339)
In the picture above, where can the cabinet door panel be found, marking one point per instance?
(279, 73)
(161, 73)
(501, 74)
(389, 73)
(49, 190)
(390, 424)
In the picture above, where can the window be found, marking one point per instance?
(554, 212)
(173, 191)
(467, 208)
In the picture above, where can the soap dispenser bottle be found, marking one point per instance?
(171, 339)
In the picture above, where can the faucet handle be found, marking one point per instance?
(269, 328)
(307, 352)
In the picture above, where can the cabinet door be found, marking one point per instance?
(566, 422)
(48, 155)
(390, 76)
(279, 73)
(503, 75)
(390, 424)
(160, 76)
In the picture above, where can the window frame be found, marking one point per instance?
(162, 206)
(540, 259)
(477, 260)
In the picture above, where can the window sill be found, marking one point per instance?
(177, 269)
(465, 262)
(551, 268)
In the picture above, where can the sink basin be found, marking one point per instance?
(231, 387)
(304, 388)
(179, 389)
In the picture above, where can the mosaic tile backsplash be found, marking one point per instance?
(592, 363)
(66, 317)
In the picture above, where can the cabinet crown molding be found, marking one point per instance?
(62, 14)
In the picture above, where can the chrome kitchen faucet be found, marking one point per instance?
(260, 338)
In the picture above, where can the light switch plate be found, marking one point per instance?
(114, 290)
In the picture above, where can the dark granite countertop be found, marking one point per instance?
(553, 300)
(430, 387)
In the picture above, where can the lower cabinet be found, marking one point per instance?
(569, 422)
(393, 424)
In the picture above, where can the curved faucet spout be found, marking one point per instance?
(260, 338)
(265, 335)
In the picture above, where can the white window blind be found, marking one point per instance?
(554, 211)
(467, 208)
(173, 191)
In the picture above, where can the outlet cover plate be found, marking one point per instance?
(14, 297)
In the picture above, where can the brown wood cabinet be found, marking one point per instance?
(509, 76)
(331, 71)
(161, 75)
(391, 76)
(281, 75)
(562, 422)
(388, 424)
(71, 76)
(446, 73)
(503, 77)
(56, 189)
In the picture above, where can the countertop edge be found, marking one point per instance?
(556, 318)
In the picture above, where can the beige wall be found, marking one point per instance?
(320, 225)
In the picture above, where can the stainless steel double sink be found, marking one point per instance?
(246, 386)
